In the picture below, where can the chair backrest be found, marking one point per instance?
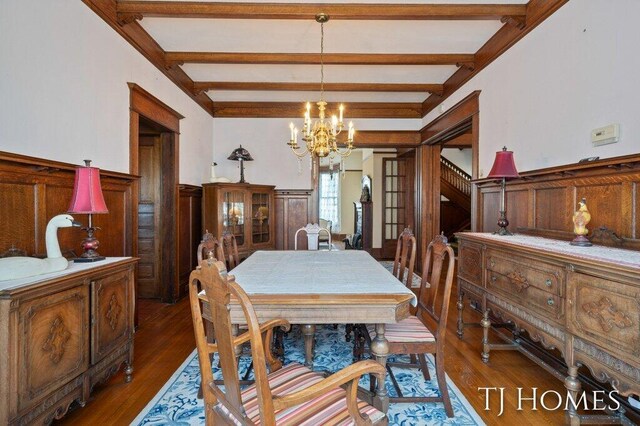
(324, 223)
(404, 262)
(313, 231)
(219, 287)
(434, 295)
(209, 248)
(230, 250)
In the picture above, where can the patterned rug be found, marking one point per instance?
(176, 402)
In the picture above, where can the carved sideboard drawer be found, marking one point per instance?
(470, 262)
(54, 349)
(545, 304)
(110, 313)
(607, 313)
(524, 273)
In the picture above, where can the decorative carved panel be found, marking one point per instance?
(54, 350)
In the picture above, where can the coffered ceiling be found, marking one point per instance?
(383, 58)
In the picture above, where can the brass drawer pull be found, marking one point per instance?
(494, 278)
(492, 263)
(550, 301)
(548, 282)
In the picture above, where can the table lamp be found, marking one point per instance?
(503, 168)
(88, 199)
(241, 155)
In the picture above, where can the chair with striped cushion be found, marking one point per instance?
(424, 332)
(290, 395)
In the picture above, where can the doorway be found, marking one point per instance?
(153, 155)
(397, 201)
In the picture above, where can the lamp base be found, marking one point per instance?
(88, 259)
(503, 223)
(90, 246)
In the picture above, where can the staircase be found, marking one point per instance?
(455, 185)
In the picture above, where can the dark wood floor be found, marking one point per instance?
(165, 338)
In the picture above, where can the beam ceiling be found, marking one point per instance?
(296, 109)
(308, 11)
(200, 86)
(314, 58)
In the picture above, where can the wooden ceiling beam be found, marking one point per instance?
(314, 58)
(308, 11)
(296, 109)
(511, 32)
(202, 86)
(386, 139)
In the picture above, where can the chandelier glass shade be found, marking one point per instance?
(320, 137)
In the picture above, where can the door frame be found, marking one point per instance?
(142, 103)
(464, 113)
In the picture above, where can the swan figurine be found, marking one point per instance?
(12, 268)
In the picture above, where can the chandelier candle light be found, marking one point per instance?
(321, 136)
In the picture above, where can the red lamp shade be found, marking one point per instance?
(87, 193)
(503, 165)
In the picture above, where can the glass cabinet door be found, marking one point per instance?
(261, 217)
(233, 214)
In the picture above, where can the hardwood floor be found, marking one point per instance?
(165, 338)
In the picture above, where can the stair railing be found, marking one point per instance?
(455, 176)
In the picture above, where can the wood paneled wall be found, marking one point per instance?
(293, 211)
(189, 236)
(33, 190)
(542, 202)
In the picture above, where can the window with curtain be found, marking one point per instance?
(330, 199)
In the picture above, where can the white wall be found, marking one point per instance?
(266, 139)
(575, 72)
(64, 94)
(460, 157)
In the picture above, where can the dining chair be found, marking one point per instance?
(313, 231)
(209, 247)
(285, 395)
(425, 331)
(229, 250)
(403, 267)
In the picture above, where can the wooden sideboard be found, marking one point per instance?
(583, 301)
(61, 334)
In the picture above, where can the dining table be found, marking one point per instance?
(324, 287)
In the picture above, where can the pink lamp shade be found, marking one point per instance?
(87, 192)
(503, 165)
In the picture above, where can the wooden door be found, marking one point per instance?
(396, 198)
(261, 212)
(149, 216)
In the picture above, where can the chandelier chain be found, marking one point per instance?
(322, 61)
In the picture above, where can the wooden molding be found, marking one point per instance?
(172, 58)
(153, 108)
(463, 110)
(296, 109)
(507, 36)
(386, 138)
(464, 140)
(133, 32)
(308, 11)
(200, 86)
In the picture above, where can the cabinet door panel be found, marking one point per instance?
(54, 349)
(606, 313)
(110, 314)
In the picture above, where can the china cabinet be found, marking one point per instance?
(243, 210)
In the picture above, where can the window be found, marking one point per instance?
(330, 199)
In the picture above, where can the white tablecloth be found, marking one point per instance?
(316, 272)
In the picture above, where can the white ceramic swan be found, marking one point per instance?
(12, 268)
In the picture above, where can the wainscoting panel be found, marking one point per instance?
(33, 190)
(542, 202)
(189, 225)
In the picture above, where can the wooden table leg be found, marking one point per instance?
(308, 331)
(380, 351)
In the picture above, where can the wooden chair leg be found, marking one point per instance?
(394, 381)
(424, 367)
(442, 385)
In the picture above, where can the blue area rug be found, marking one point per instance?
(176, 402)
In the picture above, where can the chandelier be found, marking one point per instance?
(321, 136)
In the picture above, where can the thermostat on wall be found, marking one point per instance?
(605, 135)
